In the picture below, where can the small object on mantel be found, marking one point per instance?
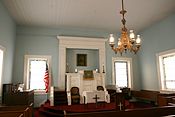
(103, 69)
(76, 70)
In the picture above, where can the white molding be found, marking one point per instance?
(159, 57)
(166, 53)
(26, 67)
(81, 43)
(2, 72)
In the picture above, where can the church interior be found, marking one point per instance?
(62, 58)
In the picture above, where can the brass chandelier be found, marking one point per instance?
(125, 42)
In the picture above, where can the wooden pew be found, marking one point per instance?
(146, 95)
(16, 111)
(147, 112)
(11, 114)
(142, 112)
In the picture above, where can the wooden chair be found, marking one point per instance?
(100, 88)
(126, 93)
(75, 96)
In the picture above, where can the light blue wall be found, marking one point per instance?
(35, 40)
(42, 41)
(35, 45)
(136, 73)
(7, 40)
(157, 38)
(92, 59)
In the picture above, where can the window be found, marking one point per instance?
(1, 65)
(166, 66)
(35, 69)
(122, 72)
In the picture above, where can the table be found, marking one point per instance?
(94, 96)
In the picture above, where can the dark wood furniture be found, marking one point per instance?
(148, 96)
(112, 93)
(11, 96)
(118, 98)
(75, 95)
(19, 98)
(147, 112)
(6, 89)
(144, 112)
(16, 111)
(165, 98)
(60, 97)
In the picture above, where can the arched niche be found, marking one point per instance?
(81, 43)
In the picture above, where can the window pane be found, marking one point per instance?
(121, 75)
(170, 85)
(37, 72)
(168, 69)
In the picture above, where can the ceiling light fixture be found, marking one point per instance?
(125, 42)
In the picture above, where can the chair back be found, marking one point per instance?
(74, 91)
(100, 88)
(126, 92)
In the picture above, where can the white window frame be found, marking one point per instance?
(160, 72)
(130, 70)
(2, 68)
(27, 58)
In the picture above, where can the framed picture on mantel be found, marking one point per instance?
(81, 59)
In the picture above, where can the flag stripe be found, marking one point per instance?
(46, 79)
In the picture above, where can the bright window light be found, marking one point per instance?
(166, 67)
(34, 72)
(122, 72)
(121, 75)
(37, 72)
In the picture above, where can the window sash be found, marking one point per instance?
(36, 80)
(27, 74)
(129, 79)
(168, 63)
(165, 70)
(121, 73)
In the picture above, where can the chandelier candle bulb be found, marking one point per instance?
(138, 40)
(132, 35)
(119, 42)
(111, 39)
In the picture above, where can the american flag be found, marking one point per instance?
(46, 79)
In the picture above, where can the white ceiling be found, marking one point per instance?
(89, 14)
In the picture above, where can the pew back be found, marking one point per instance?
(147, 112)
(16, 111)
(147, 95)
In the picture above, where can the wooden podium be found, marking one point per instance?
(19, 98)
(11, 97)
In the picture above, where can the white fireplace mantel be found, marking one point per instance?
(81, 43)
